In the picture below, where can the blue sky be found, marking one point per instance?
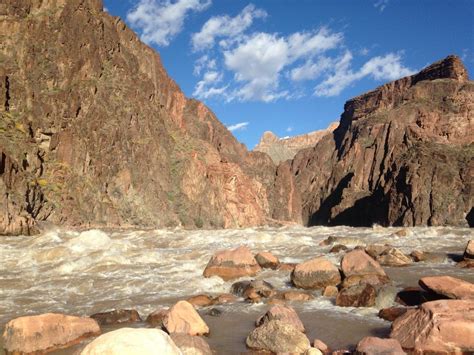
(289, 65)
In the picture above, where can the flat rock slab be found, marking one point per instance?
(47, 332)
(448, 286)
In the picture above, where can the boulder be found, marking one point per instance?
(253, 290)
(466, 264)
(267, 260)
(183, 318)
(224, 298)
(330, 291)
(118, 316)
(232, 264)
(278, 337)
(315, 273)
(359, 263)
(377, 346)
(469, 251)
(313, 351)
(200, 301)
(427, 257)
(414, 296)
(357, 296)
(283, 313)
(46, 332)
(295, 296)
(354, 280)
(286, 267)
(393, 257)
(392, 313)
(375, 250)
(191, 345)
(402, 233)
(321, 346)
(438, 327)
(127, 341)
(341, 240)
(448, 286)
(338, 248)
(156, 318)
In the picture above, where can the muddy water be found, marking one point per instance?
(93, 271)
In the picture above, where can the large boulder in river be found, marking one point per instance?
(469, 252)
(357, 296)
(117, 316)
(377, 346)
(283, 313)
(183, 318)
(315, 274)
(438, 327)
(393, 257)
(232, 264)
(448, 286)
(278, 337)
(191, 345)
(359, 268)
(253, 290)
(127, 341)
(267, 260)
(46, 333)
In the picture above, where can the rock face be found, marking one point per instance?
(281, 149)
(98, 119)
(183, 318)
(232, 264)
(315, 274)
(278, 337)
(448, 286)
(438, 327)
(402, 155)
(46, 332)
(132, 341)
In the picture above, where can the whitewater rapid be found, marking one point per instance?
(82, 273)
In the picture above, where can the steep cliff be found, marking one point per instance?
(402, 155)
(93, 132)
(281, 149)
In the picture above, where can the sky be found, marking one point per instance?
(288, 66)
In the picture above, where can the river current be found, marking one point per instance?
(81, 273)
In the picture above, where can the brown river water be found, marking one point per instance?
(81, 273)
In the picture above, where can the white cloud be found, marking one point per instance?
(289, 129)
(307, 43)
(238, 126)
(205, 88)
(204, 62)
(161, 20)
(311, 70)
(381, 4)
(386, 67)
(225, 26)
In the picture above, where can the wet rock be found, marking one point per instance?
(392, 313)
(466, 264)
(295, 296)
(469, 251)
(278, 337)
(422, 256)
(224, 298)
(448, 286)
(191, 345)
(214, 312)
(183, 318)
(200, 301)
(118, 316)
(403, 233)
(253, 290)
(156, 318)
(393, 257)
(232, 264)
(330, 291)
(46, 332)
(374, 280)
(357, 296)
(438, 327)
(321, 346)
(359, 263)
(267, 260)
(377, 346)
(341, 240)
(338, 248)
(282, 313)
(315, 274)
(375, 250)
(414, 296)
(127, 341)
(286, 267)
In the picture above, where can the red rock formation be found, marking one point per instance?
(402, 155)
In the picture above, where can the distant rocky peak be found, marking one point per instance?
(450, 67)
(268, 137)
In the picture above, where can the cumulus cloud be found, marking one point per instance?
(204, 62)
(161, 20)
(205, 88)
(311, 70)
(225, 26)
(238, 126)
(388, 67)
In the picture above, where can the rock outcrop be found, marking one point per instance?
(88, 113)
(281, 149)
(402, 155)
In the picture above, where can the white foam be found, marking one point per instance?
(88, 241)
